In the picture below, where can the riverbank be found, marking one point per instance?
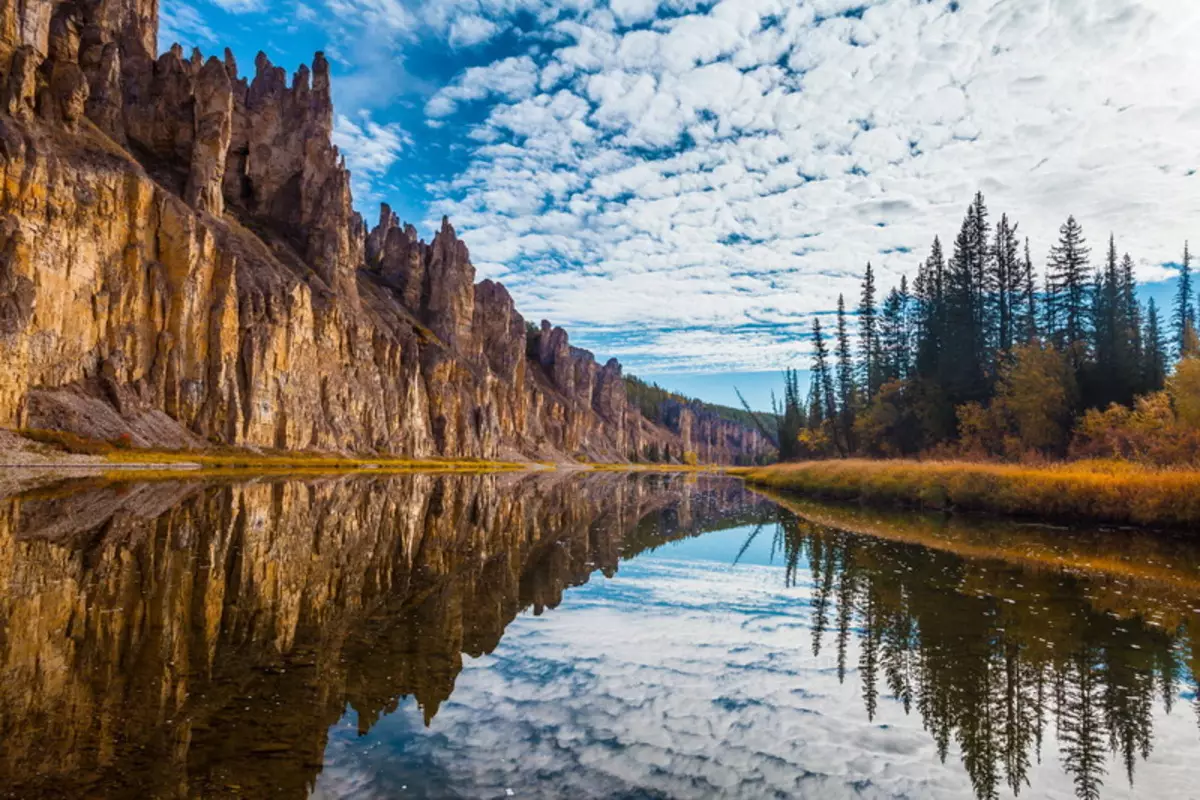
(1108, 492)
(59, 451)
(1159, 565)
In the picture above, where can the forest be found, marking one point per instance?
(980, 357)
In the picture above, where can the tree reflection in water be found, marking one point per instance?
(992, 651)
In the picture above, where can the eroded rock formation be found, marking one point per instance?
(180, 261)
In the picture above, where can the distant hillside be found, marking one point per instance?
(662, 407)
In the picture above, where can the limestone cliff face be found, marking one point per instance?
(183, 637)
(180, 261)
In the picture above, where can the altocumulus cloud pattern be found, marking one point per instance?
(701, 169)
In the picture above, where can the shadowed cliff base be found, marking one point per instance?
(181, 267)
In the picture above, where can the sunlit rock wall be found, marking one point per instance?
(180, 261)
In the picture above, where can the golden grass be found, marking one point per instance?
(1102, 491)
(669, 468)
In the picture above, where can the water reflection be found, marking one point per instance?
(180, 638)
(366, 637)
(1079, 633)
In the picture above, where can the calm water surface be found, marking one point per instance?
(579, 635)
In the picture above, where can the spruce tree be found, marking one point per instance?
(845, 379)
(816, 406)
(1110, 334)
(792, 419)
(1028, 326)
(822, 378)
(1185, 309)
(964, 351)
(892, 336)
(1154, 360)
(1132, 322)
(930, 312)
(982, 274)
(868, 325)
(904, 367)
(1067, 286)
(1008, 284)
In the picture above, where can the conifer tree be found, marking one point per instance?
(964, 352)
(1154, 360)
(1028, 325)
(930, 312)
(1050, 310)
(1132, 321)
(845, 379)
(1110, 334)
(1009, 284)
(825, 407)
(868, 325)
(1067, 290)
(946, 344)
(1185, 308)
(791, 421)
(892, 335)
(815, 417)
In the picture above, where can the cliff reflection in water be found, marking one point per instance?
(181, 638)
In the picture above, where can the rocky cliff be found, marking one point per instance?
(180, 262)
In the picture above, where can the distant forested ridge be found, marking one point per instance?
(657, 404)
(663, 407)
(984, 354)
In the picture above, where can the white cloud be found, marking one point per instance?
(744, 159)
(471, 30)
(183, 24)
(240, 6)
(370, 150)
(747, 160)
(512, 78)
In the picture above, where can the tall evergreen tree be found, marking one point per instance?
(825, 406)
(1132, 321)
(964, 353)
(1067, 289)
(1110, 334)
(845, 378)
(868, 325)
(892, 335)
(980, 257)
(1154, 359)
(1008, 284)
(930, 311)
(815, 418)
(1028, 319)
(1185, 308)
(791, 418)
(1049, 311)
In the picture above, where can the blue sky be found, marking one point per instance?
(684, 183)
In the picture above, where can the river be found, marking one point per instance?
(578, 635)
